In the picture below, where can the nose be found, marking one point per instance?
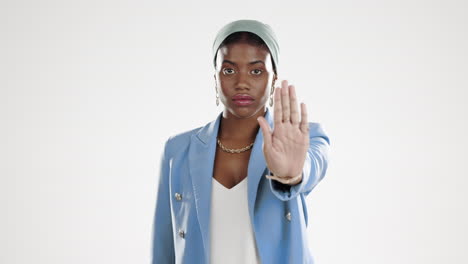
(242, 81)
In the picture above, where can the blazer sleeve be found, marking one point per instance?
(163, 241)
(315, 166)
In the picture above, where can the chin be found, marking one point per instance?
(244, 112)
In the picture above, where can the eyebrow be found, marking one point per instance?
(252, 62)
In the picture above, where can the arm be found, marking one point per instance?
(163, 243)
(315, 166)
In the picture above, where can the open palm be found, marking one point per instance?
(286, 146)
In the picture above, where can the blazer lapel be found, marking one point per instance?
(201, 157)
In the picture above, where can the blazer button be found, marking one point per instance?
(288, 216)
(182, 233)
(178, 196)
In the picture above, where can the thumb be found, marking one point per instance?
(266, 131)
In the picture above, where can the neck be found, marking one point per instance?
(239, 129)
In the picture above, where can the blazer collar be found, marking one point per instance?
(201, 157)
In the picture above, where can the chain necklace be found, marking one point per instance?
(234, 150)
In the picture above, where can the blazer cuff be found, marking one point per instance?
(286, 192)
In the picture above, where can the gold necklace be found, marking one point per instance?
(234, 150)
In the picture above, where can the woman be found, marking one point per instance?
(214, 204)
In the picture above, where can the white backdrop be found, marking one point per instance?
(91, 89)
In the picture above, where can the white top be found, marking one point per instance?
(231, 233)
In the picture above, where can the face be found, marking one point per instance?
(243, 69)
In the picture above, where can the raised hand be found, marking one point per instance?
(285, 147)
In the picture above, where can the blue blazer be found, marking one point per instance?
(278, 212)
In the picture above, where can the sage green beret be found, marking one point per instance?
(264, 31)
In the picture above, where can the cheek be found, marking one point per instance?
(224, 88)
(265, 92)
(225, 84)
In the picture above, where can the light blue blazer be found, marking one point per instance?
(278, 212)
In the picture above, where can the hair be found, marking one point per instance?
(250, 38)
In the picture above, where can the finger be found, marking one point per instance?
(278, 111)
(304, 123)
(266, 130)
(293, 105)
(285, 102)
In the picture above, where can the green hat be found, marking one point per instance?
(264, 31)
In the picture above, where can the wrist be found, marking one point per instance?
(288, 180)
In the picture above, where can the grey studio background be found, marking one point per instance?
(90, 90)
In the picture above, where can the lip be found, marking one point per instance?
(242, 97)
(243, 102)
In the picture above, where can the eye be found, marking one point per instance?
(257, 71)
(228, 71)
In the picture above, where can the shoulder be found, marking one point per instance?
(179, 142)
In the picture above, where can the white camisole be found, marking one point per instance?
(231, 233)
